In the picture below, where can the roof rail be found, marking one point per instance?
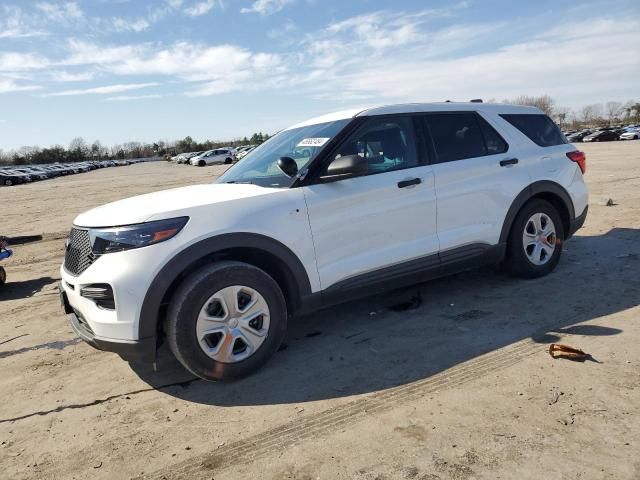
(476, 100)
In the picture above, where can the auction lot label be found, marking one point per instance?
(313, 142)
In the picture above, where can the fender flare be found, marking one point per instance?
(536, 188)
(152, 303)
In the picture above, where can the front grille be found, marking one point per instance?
(78, 256)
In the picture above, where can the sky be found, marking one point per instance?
(143, 70)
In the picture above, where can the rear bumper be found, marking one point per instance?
(132, 350)
(578, 222)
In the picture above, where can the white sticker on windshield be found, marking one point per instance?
(313, 142)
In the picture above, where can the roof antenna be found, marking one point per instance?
(476, 100)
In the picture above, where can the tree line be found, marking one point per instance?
(594, 115)
(79, 150)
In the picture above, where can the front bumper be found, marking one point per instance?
(130, 350)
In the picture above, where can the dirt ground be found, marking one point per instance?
(446, 380)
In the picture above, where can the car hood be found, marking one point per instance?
(166, 204)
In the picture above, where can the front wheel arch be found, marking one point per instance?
(261, 251)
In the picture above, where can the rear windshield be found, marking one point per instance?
(538, 127)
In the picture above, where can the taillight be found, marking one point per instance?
(580, 158)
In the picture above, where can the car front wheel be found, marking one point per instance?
(535, 241)
(226, 320)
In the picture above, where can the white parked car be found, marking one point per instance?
(630, 134)
(341, 206)
(244, 152)
(210, 157)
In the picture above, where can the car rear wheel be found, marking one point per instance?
(201, 163)
(226, 320)
(535, 241)
(3, 276)
(227, 161)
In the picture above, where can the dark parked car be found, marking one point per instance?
(579, 136)
(602, 136)
(9, 177)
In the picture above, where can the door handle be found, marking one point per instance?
(408, 183)
(509, 161)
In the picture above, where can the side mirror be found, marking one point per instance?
(348, 166)
(288, 166)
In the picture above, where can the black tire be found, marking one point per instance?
(195, 290)
(227, 161)
(3, 276)
(516, 261)
(8, 182)
(201, 163)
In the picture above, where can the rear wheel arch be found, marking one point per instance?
(552, 192)
(268, 254)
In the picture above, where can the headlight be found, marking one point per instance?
(117, 239)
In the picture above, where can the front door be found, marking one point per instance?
(383, 217)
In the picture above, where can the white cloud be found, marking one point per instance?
(60, 12)
(19, 62)
(14, 23)
(132, 25)
(201, 8)
(124, 98)
(108, 89)
(9, 86)
(64, 76)
(567, 68)
(266, 7)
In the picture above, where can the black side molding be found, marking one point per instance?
(407, 273)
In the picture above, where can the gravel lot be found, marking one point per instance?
(447, 380)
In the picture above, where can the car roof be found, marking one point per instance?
(416, 108)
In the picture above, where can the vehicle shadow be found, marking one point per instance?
(25, 289)
(378, 343)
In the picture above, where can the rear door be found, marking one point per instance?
(375, 222)
(477, 177)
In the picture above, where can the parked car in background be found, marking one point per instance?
(602, 136)
(9, 178)
(579, 136)
(210, 157)
(630, 134)
(31, 173)
(245, 152)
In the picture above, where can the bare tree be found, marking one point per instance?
(544, 102)
(614, 111)
(562, 115)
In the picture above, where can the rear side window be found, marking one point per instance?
(457, 136)
(538, 127)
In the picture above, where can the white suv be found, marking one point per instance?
(341, 206)
(210, 157)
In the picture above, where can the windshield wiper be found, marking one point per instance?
(244, 182)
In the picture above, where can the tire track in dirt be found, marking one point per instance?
(275, 440)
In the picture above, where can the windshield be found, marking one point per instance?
(302, 144)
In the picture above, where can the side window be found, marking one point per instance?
(495, 143)
(384, 144)
(456, 136)
(538, 127)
